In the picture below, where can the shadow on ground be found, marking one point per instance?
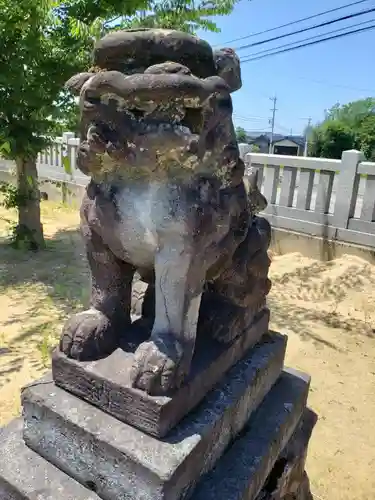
(61, 267)
(42, 289)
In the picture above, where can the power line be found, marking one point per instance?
(257, 130)
(250, 117)
(359, 30)
(310, 38)
(295, 22)
(309, 28)
(329, 84)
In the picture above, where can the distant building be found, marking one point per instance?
(292, 145)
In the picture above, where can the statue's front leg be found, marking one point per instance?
(95, 333)
(164, 361)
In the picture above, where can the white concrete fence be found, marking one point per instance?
(334, 199)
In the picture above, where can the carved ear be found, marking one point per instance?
(253, 179)
(76, 82)
(227, 64)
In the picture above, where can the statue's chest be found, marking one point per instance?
(150, 217)
(139, 213)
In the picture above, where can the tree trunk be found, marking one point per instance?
(29, 232)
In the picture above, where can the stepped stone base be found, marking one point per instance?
(244, 468)
(288, 479)
(238, 475)
(123, 462)
(105, 383)
(24, 475)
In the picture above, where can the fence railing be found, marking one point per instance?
(334, 199)
(318, 196)
(58, 161)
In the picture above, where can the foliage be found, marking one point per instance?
(37, 57)
(348, 126)
(241, 134)
(331, 139)
(353, 112)
(9, 195)
(95, 19)
(366, 137)
(185, 15)
(68, 121)
(255, 148)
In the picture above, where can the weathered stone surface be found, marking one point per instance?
(116, 51)
(288, 479)
(242, 471)
(125, 463)
(26, 475)
(303, 491)
(106, 383)
(167, 199)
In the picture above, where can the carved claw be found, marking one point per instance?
(157, 365)
(88, 336)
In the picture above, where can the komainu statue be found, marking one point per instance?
(167, 199)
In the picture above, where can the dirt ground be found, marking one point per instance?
(327, 310)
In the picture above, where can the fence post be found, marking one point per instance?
(67, 135)
(249, 165)
(347, 188)
(246, 157)
(68, 152)
(67, 149)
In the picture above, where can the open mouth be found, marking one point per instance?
(170, 99)
(167, 120)
(147, 117)
(145, 128)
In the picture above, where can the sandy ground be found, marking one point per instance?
(327, 310)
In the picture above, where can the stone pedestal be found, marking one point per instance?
(246, 439)
(105, 383)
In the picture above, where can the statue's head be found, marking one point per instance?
(157, 104)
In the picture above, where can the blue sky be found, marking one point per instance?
(306, 81)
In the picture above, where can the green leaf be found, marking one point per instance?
(5, 147)
(67, 165)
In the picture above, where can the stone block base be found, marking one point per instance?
(248, 462)
(24, 475)
(288, 479)
(241, 474)
(123, 462)
(105, 383)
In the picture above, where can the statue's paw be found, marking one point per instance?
(157, 365)
(88, 335)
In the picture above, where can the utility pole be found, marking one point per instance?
(307, 135)
(272, 122)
